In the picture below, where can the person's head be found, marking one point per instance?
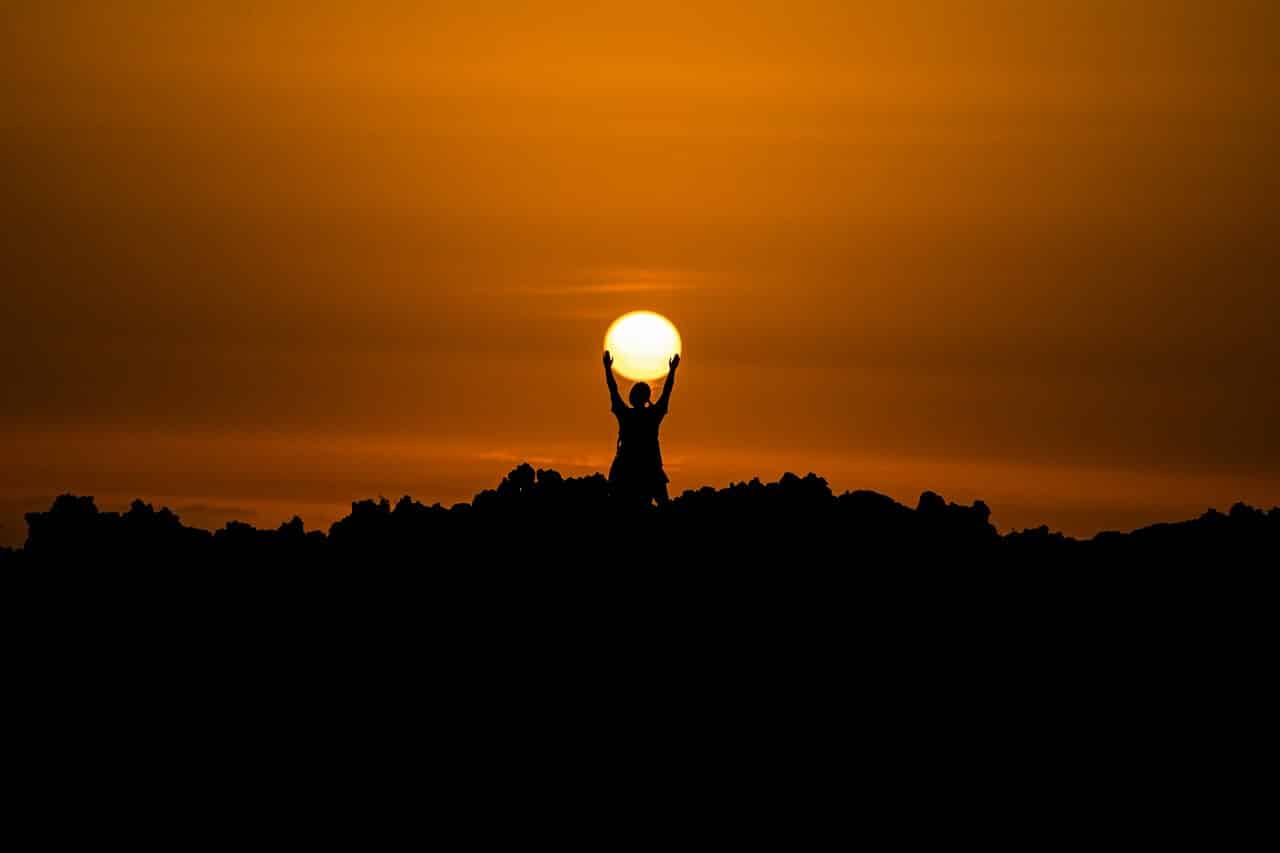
(639, 395)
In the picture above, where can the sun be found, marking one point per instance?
(642, 343)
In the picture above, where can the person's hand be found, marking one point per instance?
(608, 359)
(675, 361)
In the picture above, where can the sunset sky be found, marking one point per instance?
(268, 258)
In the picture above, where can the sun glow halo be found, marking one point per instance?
(642, 343)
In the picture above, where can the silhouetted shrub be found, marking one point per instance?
(535, 518)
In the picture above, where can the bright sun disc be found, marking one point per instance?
(642, 344)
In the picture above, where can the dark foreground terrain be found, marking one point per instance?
(765, 634)
(535, 518)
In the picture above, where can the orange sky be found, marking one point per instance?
(284, 257)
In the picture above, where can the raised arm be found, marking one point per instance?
(665, 399)
(615, 399)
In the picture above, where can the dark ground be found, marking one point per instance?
(535, 519)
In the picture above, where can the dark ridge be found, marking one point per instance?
(543, 612)
(537, 516)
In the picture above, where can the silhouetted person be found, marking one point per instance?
(636, 474)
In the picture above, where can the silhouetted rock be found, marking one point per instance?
(795, 524)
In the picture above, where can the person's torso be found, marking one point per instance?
(638, 432)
